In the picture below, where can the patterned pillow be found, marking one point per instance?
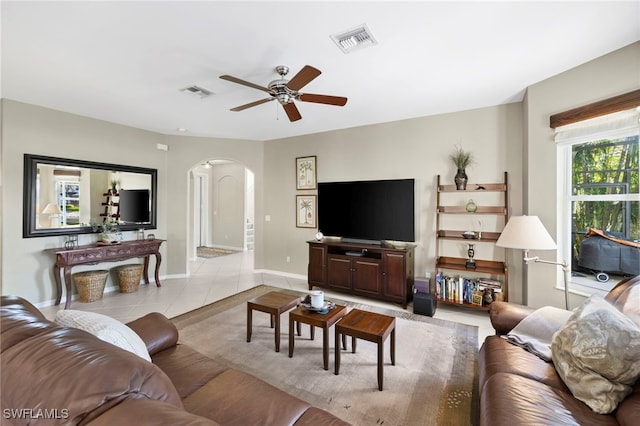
(104, 328)
(597, 354)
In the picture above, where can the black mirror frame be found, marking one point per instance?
(29, 229)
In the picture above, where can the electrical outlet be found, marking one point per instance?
(288, 259)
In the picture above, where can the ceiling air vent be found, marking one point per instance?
(197, 91)
(354, 39)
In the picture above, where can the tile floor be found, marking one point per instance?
(216, 278)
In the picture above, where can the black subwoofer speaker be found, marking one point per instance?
(424, 304)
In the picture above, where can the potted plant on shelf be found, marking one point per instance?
(462, 159)
(109, 231)
(114, 187)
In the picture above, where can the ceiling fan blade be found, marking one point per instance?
(244, 83)
(323, 99)
(292, 111)
(252, 104)
(304, 76)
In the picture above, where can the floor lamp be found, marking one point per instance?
(528, 233)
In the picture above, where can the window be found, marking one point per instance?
(69, 202)
(599, 161)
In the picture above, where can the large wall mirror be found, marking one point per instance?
(64, 196)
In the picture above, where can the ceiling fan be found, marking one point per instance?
(286, 91)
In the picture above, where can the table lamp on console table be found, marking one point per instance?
(528, 233)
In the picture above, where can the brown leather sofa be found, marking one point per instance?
(60, 375)
(517, 387)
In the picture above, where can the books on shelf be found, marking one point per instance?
(458, 289)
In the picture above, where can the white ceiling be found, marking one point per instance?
(125, 62)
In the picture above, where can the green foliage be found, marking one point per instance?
(606, 167)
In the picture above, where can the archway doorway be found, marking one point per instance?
(222, 194)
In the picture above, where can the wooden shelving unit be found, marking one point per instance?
(111, 206)
(484, 268)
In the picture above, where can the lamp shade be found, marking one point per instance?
(51, 208)
(526, 233)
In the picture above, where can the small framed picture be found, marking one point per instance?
(306, 172)
(306, 211)
(477, 299)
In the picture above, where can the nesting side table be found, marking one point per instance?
(368, 326)
(315, 319)
(273, 303)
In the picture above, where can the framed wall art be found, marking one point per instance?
(306, 211)
(306, 172)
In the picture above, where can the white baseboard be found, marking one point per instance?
(108, 289)
(174, 276)
(280, 273)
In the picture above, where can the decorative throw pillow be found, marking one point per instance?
(104, 328)
(597, 354)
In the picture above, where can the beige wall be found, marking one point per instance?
(416, 148)
(607, 76)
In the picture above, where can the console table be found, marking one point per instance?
(97, 253)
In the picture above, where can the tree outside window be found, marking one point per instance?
(604, 191)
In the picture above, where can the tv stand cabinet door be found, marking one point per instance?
(317, 272)
(367, 277)
(395, 276)
(339, 271)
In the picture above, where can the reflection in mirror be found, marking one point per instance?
(65, 196)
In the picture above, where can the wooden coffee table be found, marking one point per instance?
(273, 303)
(368, 326)
(315, 319)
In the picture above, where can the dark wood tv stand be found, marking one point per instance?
(378, 271)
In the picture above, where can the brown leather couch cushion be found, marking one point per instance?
(499, 356)
(268, 405)
(70, 369)
(22, 304)
(628, 412)
(188, 369)
(509, 399)
(156, 331)
(315, 416)
(149, 412)
(619, 294)
(504, 315)
(18, 324)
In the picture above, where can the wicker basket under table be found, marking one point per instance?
(90, 284)
(129, 277)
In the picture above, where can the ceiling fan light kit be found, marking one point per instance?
(287, 91)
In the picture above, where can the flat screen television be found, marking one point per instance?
(134, 205)
(367, 211)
